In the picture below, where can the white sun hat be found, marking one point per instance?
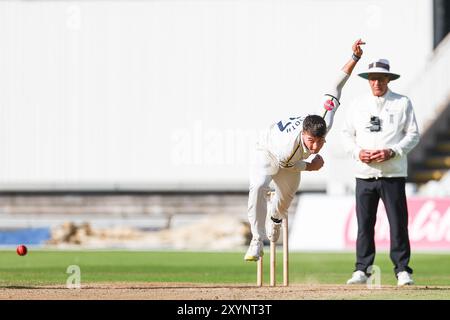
(379, 66)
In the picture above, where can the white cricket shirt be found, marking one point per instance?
(399, 132)
(283, 140)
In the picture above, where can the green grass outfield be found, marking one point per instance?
(49, 267)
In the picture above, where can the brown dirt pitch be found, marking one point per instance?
(189, 291)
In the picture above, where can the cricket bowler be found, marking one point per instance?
(280, 157)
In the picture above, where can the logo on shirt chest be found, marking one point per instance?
(290, 125)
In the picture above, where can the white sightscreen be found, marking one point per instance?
(171, 94)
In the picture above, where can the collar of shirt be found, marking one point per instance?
(381, 100)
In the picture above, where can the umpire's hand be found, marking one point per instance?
(368, 156)
(365, 156)
(380, 155)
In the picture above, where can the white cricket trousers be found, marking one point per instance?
(263, 170)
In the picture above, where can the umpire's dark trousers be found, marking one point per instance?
(392, 193)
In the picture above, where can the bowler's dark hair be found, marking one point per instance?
(315, 125)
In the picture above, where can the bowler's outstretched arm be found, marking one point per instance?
(331, 98)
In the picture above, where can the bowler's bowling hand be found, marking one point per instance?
(315, 164)
(357, 51)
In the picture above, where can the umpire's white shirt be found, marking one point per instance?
(399, 132)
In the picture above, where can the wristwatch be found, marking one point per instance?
(391, 153)
(355, 57)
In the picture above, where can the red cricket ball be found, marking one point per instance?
(22, 250)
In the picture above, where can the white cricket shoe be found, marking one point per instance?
(254, 251)
(358, 277)
(273, 230)
(404, 279)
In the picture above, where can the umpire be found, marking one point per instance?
(380, 129)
